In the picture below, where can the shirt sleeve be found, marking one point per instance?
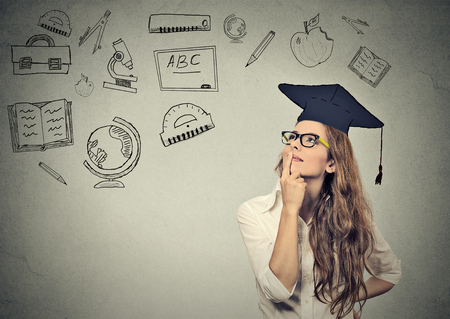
(259, 249)
(382, 262)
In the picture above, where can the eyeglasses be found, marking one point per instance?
(307, 140)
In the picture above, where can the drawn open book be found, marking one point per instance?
(40, 126)
(368, 66)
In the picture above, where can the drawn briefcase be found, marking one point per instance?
(34, 59)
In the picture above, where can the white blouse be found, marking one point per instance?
(258, 222)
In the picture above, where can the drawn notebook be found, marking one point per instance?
(368, 66)
(40, 126)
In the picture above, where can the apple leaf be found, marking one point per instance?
(314, 21)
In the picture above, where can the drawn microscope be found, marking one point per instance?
(123, 82)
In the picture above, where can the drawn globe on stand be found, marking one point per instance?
(234, 28)
(113, 152)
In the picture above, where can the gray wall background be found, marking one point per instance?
(168, 244)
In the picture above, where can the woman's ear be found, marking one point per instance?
(331, 167)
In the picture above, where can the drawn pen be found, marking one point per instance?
(261, 47)
(52, 173)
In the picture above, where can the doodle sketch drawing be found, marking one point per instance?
(56, 21)
(187, 69)
(184, 121)
(40, 126)
(40, 59)
(370, 68)
(234, 28)
(313, 46)
(113, 151)
(123, 82)
(169, 23)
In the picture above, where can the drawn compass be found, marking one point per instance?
(100, 24)
(56, 21)
(184, 121)
(352, 22)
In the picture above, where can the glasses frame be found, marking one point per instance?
(300, 136)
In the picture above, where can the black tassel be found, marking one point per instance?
(379, 176)
(380, 168)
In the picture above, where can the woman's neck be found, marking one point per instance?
(313, 189)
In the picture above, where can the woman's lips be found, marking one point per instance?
(295, 158)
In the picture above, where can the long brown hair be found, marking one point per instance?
(341, 236)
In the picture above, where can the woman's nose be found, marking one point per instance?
(296, 144)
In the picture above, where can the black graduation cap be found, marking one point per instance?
(334, 106)
(331, 105)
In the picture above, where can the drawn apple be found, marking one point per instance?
(311, 47)
(84, 87)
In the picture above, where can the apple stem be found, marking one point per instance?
(305, 23)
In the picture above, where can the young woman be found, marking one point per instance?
(311, 239)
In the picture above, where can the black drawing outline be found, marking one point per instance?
(52, 173)
(352, 23)
(174, 132)
(123, 82)
(213, 86)
(56, 21)
(113, 174)
(100, 24)
(226, 30)
(172, 23)
(305, 58)
(364, 61)
(260, 48)
(37, 59)
(84, 89)
(20, 130)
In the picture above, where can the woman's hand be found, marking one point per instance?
(293, 187)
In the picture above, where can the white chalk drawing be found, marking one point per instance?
(40, 126)
(184, 121)
(260, 48)
(369, 67)
(170, 23)
(32, 58)
(123, 82)
(84, 87)
(113, 151)
(234, 28)
(101, 24)
(313, 46)
(52, 173)
(187, 69)
(352, 23)
(56, 21)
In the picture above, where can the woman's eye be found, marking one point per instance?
(292, 137)
(310, 139)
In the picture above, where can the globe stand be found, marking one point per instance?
(110, 183)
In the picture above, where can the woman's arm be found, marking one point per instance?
(284, 261)
(375, 287)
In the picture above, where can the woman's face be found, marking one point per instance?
(310, 162)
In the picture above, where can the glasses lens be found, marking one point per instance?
(308, 140)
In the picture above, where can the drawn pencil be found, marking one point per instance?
(52, 173)
(261, 47)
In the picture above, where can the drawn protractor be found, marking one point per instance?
(184, 121)
(56, 21)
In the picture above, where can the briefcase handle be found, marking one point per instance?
(39, 37)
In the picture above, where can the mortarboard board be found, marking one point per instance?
(334, 106)
(331, 105)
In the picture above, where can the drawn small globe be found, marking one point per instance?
(109, 147)
(236, 27)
